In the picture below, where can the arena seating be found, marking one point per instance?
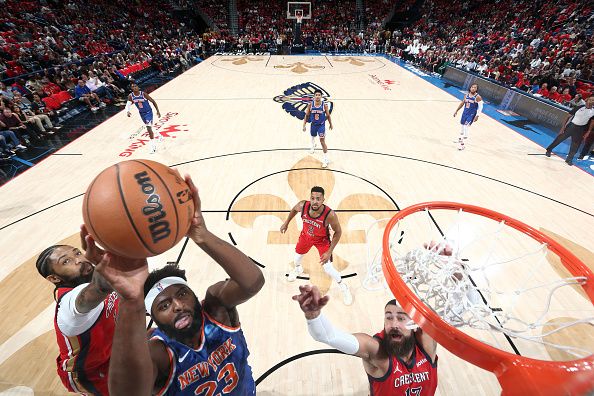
(531, 42)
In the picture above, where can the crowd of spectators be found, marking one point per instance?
(218, 12)
(262, 25)
(541, 47)
(52, 51)
(527, 45)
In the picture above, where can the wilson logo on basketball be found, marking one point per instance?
(296, 99)
(158, 227)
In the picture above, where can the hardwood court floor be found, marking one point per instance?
(228, 123)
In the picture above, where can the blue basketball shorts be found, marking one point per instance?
(467, 118)
(318, 130)
(147, 118)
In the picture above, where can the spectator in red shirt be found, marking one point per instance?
(554, 94)
(543, 91)
(49, 87)
(565, 97)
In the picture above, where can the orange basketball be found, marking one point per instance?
(138, 208)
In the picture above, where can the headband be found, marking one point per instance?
(159, 287)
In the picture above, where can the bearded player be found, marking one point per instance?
(317, 218)
(85, 317)
(198, 347)
(400, 360)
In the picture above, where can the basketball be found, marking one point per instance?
(138, 208)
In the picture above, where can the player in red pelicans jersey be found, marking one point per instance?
(84, 321)
(412, 370)
(401, 360)
(317, 218)
(198, 347)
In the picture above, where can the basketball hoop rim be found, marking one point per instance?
(505, 365)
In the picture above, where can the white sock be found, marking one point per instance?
(462, 129)
(325, 157)
(466, 130)
(313, 141)
(153, 144)
(298, 258)
(332, 272)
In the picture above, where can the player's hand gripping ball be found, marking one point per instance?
(138, 208)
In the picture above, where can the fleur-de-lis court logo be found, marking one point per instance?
(299, 67)
(354, 61)
(243, 60)
(296, 99)
(303, 175)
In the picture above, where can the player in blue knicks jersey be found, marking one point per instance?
(473, 106)
(141, 100)
(317, 112)
(198, 347)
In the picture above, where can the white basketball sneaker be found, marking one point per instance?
(153, 148)
(461, 144)
(294, 273)
(312, 149)
(347, 297)
(325, 163)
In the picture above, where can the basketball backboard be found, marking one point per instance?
(295, 8)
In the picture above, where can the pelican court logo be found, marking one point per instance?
(295, 99)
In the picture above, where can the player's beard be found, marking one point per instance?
(400, 348)
(81, 277)
(184, 335)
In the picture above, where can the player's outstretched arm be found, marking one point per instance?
(296, 209)
(321, 329)
(328, 115)
(148, 97)
(246, 278)
(131, 367)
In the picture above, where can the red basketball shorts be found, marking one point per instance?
(306, 242)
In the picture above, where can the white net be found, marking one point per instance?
(495, 283)
(374, 277)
